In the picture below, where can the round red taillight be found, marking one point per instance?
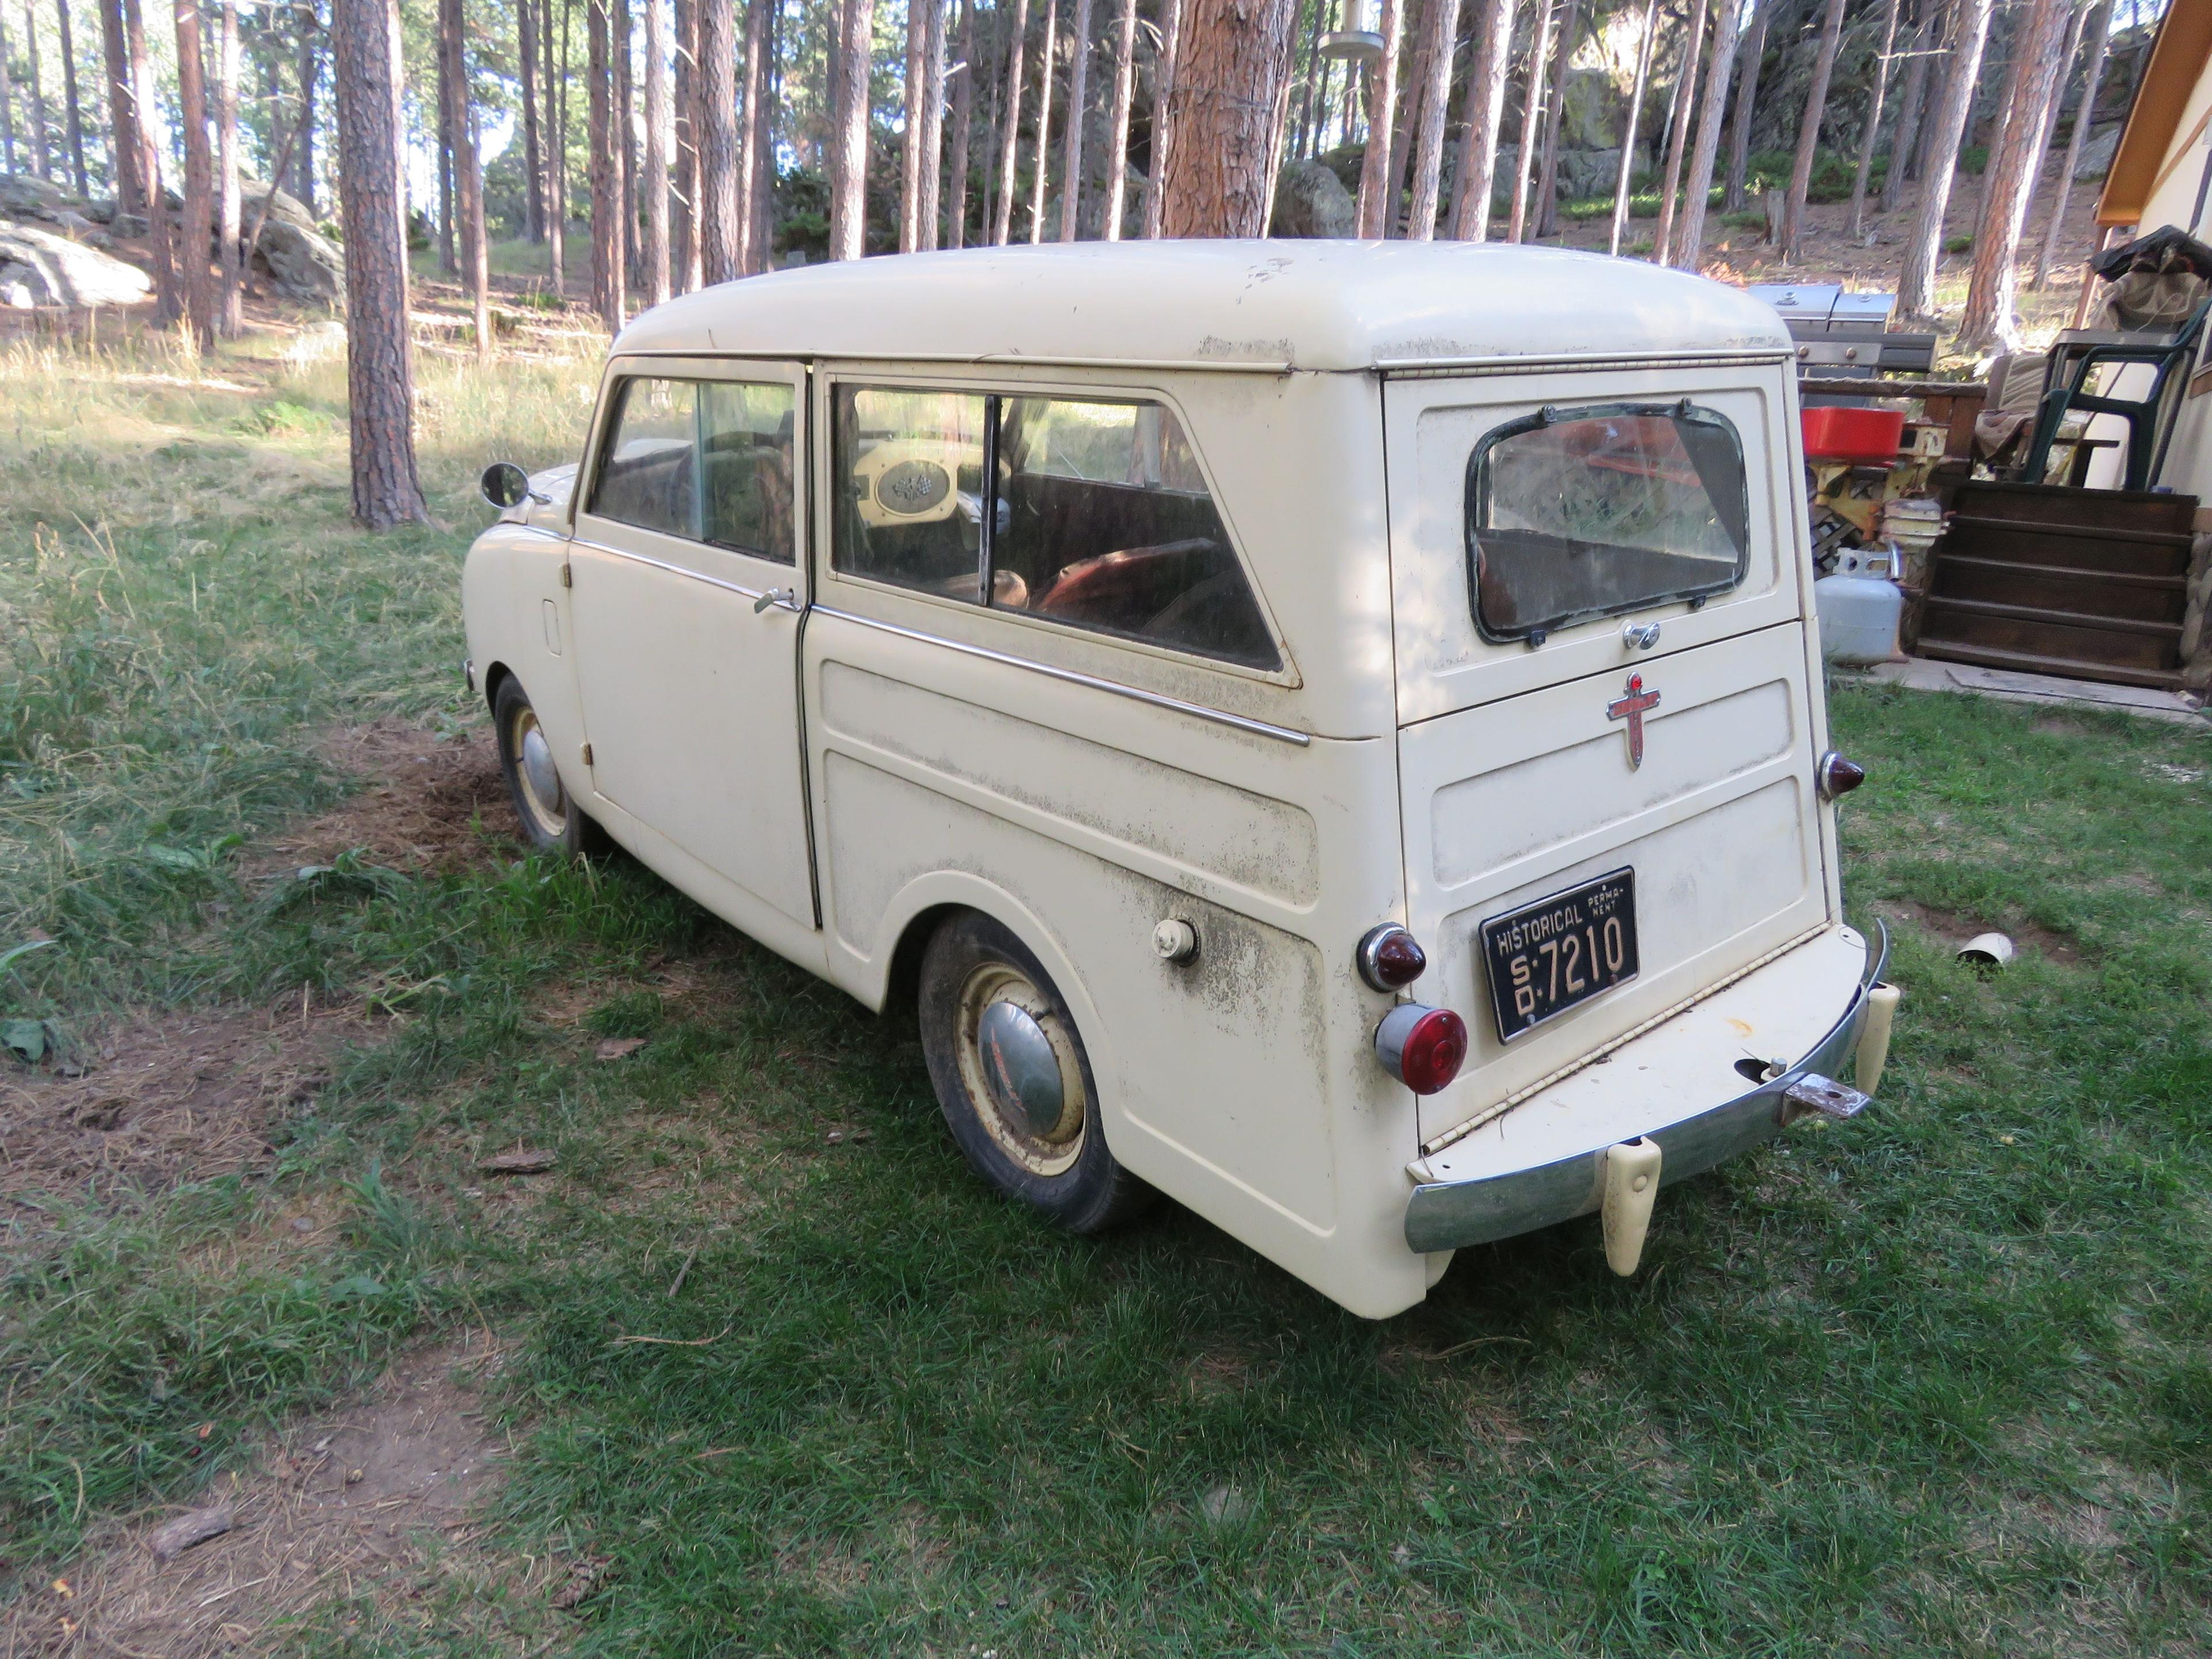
(1390, 958)
(1422, 1048)
(1837, 776)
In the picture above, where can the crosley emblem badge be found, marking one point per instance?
(1631, 707)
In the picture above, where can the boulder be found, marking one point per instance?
(2097, 151)
(29, 197)
(299, 260)
(129, 225)
(54, 270)
(1311, 201)
(1587, 173)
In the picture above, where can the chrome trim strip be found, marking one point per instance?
(1449, 1215)
(672, 569)
(1414, 367)
(1068, 676)
(842, 361)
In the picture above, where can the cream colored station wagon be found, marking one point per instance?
(1331, 732)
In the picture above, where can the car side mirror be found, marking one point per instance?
(504, 485)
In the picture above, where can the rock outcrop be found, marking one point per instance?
(1311, 201)
(38, 267)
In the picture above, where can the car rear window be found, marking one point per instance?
(1577, 513)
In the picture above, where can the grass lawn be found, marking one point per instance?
(777, 1375)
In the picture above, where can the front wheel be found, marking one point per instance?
(551, 820)
(1013, 1079)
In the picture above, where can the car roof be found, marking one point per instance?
(1272, 305)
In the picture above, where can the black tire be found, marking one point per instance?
(1065, 1170)
(550, 818)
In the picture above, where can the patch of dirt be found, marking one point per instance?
(372, 1499)
(161, 1100)
(427, 803)
(1953, 929)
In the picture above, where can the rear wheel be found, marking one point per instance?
(551, 820)
(1013, 1079)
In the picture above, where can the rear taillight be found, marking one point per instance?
(1422, 1048)
(1836, 776)
(1390, 958)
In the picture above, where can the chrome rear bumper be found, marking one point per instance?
(1448, 1215)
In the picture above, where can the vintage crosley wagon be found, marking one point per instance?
(1331, 732)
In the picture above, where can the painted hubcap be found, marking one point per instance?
(542, 793)
(1019, 1063)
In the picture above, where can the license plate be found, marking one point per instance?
(1545, 957)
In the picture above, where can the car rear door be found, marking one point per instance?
(1631, 816)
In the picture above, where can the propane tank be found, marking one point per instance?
(1860, 606)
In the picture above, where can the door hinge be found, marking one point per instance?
(587, 754)
(567, 576)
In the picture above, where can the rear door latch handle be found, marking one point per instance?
(787, 597)
(1640, 636)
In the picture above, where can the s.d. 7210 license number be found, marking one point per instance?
(1561, 951)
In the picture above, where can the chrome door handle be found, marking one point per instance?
(1640, 636)
(786, 596)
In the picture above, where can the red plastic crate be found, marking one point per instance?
(1866, 435)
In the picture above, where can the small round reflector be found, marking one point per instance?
(1390, 958)
(1422, 1048)
(1837, 776)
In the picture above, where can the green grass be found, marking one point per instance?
(1932, 1384)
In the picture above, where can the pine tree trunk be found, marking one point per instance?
(2100, 30)
(303, 154)
(449, 259)
(964, 119)
(1482, 113)
(1547, 176)
(126, 142)
(932, 125)
(622, 49)
(1532, 115)
(7, 100)
(653, 178)
(915, 90)
(2011, 179)
(1313, 87)
(1377, 185)
(533, 161)
(1233, 73)
(1164, 80)
(1624, 178)
(1697, 197)
(161, 231)
(1911, 106)
(720, 198)
(556, 158)
(192, 250)
(760, 125)
(41, 156)
(1872, 135)
(610, 289)
(1009, 136)
(468, 181)
(1943, 25)
(1924, 248)
(1043, 178)
(1436, 113)
(1406, 120)
(229, 210)
(737, 181)
(380, 366)
(72, 111)
(848, 139)
(1753, 53)
(1078, 86)
(1678, 133)
(1808, 130)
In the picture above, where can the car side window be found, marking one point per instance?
(1106, 523)
(909, 487)
(647, 473)
(745, 440)
(1091, 514)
